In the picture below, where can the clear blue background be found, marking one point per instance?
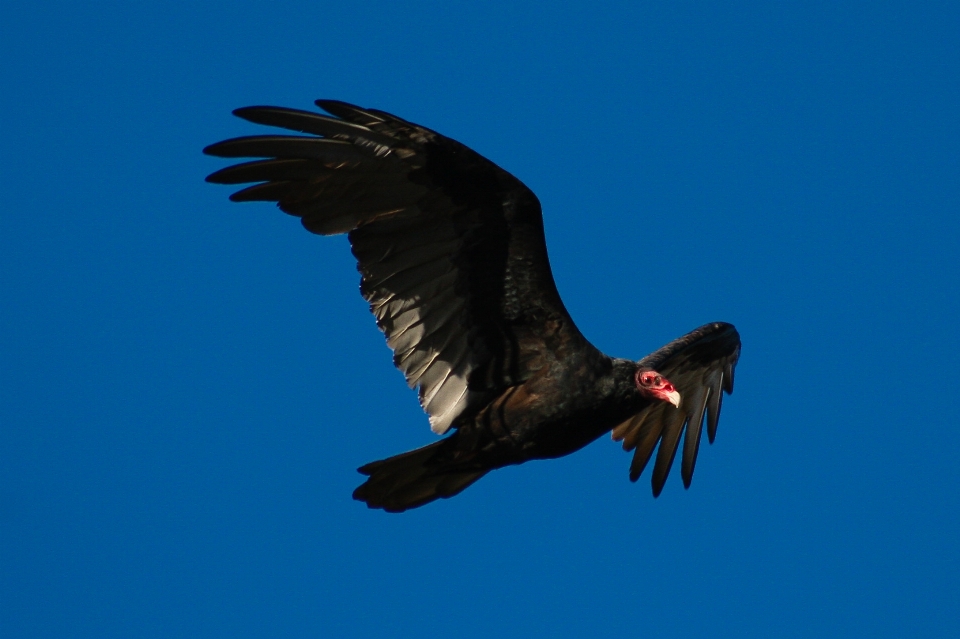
(187, 385)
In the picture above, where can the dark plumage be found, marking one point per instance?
(454, 265)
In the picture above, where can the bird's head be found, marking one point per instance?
(653, 384)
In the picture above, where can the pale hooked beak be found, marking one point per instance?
(673, 397)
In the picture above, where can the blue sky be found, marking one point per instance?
(188, 385)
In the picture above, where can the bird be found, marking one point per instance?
(453, 263)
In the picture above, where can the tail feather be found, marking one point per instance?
(412, 479)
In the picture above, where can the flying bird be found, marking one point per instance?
(453, 263)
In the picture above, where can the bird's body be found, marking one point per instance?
(454, 265)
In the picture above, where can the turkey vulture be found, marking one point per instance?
(453, 263)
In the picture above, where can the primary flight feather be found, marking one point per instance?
(454, 265)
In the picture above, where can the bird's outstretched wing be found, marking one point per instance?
(700, 364)
(450, 246)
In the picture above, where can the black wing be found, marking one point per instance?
(700, 364)
(450, 246)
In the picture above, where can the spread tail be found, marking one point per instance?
(412, 479)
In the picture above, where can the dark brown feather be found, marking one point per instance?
(307, 122)
(691, 438)
(668, 449)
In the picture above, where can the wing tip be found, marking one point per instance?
(657, 487)
(211, 149)
(323, 103)
(244, 112)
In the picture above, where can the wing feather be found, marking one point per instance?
(647, 436)
(691, 438)
(392, 303)
(422, 364)
(337, 153)
(308, 122)
(351, 113)
(713, 414)
(728, 377)
(668, 449)
(439, 373)
(264, 170)
(418, 326)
